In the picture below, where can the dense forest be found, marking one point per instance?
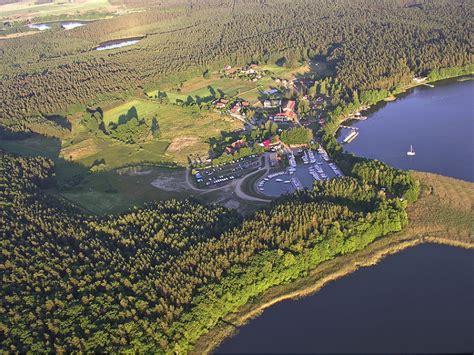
(370, 45)
(161, 275)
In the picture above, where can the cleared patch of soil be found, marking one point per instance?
(80, 150)
(179, 144)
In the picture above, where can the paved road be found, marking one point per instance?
(242, 194)
(236, 183)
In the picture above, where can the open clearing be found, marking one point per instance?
(202, 87)
(30, 8)
(183, 130)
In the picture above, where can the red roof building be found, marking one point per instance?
(289, 105)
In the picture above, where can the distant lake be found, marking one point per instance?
(71, 25)
(419, 300)
(67, 25)
(39, 26)
(438, 122)
(118, 43)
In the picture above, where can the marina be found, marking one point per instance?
(316, 166)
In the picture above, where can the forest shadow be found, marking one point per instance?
(61, 121)
(131, 114)
(68, 173)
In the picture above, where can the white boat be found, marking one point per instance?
(279, 180)
(411, 152)
(287, 181)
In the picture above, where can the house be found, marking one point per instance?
(271, 103)
(236, 108)
(266, 143)
(227, 67)
(280, 117)
(253, 65)
(230, 149)
(270, 92)
(221, 103)
(289, 105)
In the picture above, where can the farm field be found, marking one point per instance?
(29, 8)
(184, 129)
(202, 87)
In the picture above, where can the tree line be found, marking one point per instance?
(370, 45)
(158, 276)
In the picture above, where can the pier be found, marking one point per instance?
(351, 136)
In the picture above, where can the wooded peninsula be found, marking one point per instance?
(93, 260)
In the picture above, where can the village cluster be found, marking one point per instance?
(284, 106)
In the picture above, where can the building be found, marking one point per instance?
(230, 149)
(289, 105)
(420, 79)
(273, 159)
(270, 92)
(236, 108)
(271, 103)
(221, 103)
(280, 117)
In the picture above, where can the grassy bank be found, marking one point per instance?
(443, 215)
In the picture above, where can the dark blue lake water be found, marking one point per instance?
(438, 122)
(420, 300)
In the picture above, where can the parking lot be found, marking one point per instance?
(222, 174)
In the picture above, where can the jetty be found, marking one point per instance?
(351, 136)
(296, 183)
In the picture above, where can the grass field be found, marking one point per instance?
(201, 87)
(185, 130)
(108, 192)
(29, 8)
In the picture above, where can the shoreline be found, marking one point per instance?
(404, 90)
(428, 223)
(316, 280)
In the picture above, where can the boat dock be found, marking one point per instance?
(349, 127)
(351, 136)
(296, 183)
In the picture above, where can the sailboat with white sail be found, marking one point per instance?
(411, 152)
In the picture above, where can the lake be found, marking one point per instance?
(419, 300)
(438, 122)
(118, 43)
(66, 25)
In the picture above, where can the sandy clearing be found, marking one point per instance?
(179, 144)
